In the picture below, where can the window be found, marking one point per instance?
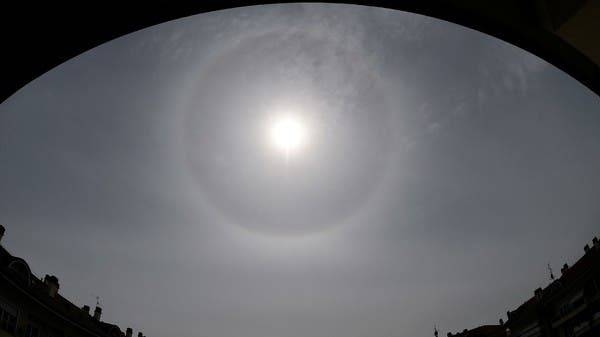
(20, 268)
(31, 330)
(8, 317)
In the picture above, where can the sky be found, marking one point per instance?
(442, 170)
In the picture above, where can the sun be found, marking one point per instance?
(288, 134)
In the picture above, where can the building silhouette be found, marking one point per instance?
(568, 307)
(33, 307)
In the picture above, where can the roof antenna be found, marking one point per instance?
(435, 330)
(551, 273)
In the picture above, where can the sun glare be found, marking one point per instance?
(288, 135)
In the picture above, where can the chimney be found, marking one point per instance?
(128, 332)
(508, 314)
(52, 283)
(564, 269)
(501, 321)
(97, 313)
(140, 334)
(594, 240)
(586, 249)
(86, 309)
(2, 230)
(538, 293)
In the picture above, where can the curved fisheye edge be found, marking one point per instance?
(533, 26)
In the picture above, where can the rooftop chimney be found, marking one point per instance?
(97, 313)
(129, 332)
(508, 314)
(594, 241)
(501, 321)
(564, 269)
(538, 293)
(140, 334)
(2, 230)
(86, 309)
(52, 283)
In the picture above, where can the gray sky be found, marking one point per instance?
(444, 169)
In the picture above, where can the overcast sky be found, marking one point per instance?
(443, 170)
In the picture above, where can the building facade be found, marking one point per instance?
(33, 307)
(568, 307)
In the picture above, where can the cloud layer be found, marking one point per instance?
(446, 169)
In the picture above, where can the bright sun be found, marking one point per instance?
(288, 134)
